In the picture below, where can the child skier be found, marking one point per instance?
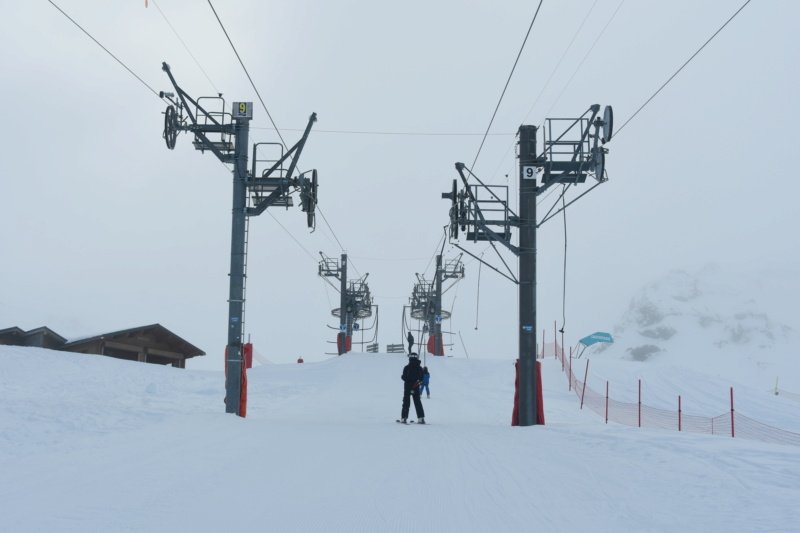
(426, 378)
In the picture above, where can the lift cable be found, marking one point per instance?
(187, 48)
(564, 282)
(478, 298)
(569, 46)
(106, 49)
(677, 71)
(269, 115)
(507, 82)
(491, 180)
(405, 133)
(157, 94)
(578, 68)
(330, 228)
(327, 295)
(247, 73)
(316, 261)
(435, 250)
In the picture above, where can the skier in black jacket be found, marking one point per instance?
(412, 378)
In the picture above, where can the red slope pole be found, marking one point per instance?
(540, 396)
(679, 412)
(606, 402)
(732, 433)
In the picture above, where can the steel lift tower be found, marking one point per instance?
(355, 299)
(426, 298)
(572, 151)
(225, 134)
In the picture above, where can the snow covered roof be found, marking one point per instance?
(17, 336)
(143, 334)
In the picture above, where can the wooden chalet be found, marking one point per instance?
(148, 344)
(40, 337)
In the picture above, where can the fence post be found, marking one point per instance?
(606, 402)
(679, 412)
(732, 432)
(543, 345)
(583, 393)
(570, 368)
(640, 403)
(555, 340)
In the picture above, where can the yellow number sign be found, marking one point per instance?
(243, 109)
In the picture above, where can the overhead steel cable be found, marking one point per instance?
(393, 259)
(565, 86)
(405, 133)
(293, 238)
(561, 60)
(106, 49)
(569, 81)
(186, 47)
(252, 84)
(564, 279)
(682, 66)
(330, 228)
(439, 244)
(247, 73)
(521, 48)
(491, 180)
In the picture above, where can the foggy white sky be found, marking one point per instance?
(103, 228)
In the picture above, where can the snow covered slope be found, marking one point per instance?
(95, 444)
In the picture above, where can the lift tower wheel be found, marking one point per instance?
(170, 126)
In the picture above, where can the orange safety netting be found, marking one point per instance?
(730, 424)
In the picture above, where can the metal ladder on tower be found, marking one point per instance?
(244, 280)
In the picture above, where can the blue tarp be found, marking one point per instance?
(596, 337)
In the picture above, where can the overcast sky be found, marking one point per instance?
(104, 228)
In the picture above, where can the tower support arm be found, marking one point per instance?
(184, 96)
(225, 158)
(569, 204)
(298, 147)
(485, 263)
(495, 237)
(281, 186)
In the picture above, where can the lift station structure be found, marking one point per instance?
(426, 300)
(225, 134)
(355, 300)
(573, 150)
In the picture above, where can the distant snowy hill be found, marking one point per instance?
(709, 321)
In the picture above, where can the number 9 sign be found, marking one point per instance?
(243, 110)
(529, 173)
